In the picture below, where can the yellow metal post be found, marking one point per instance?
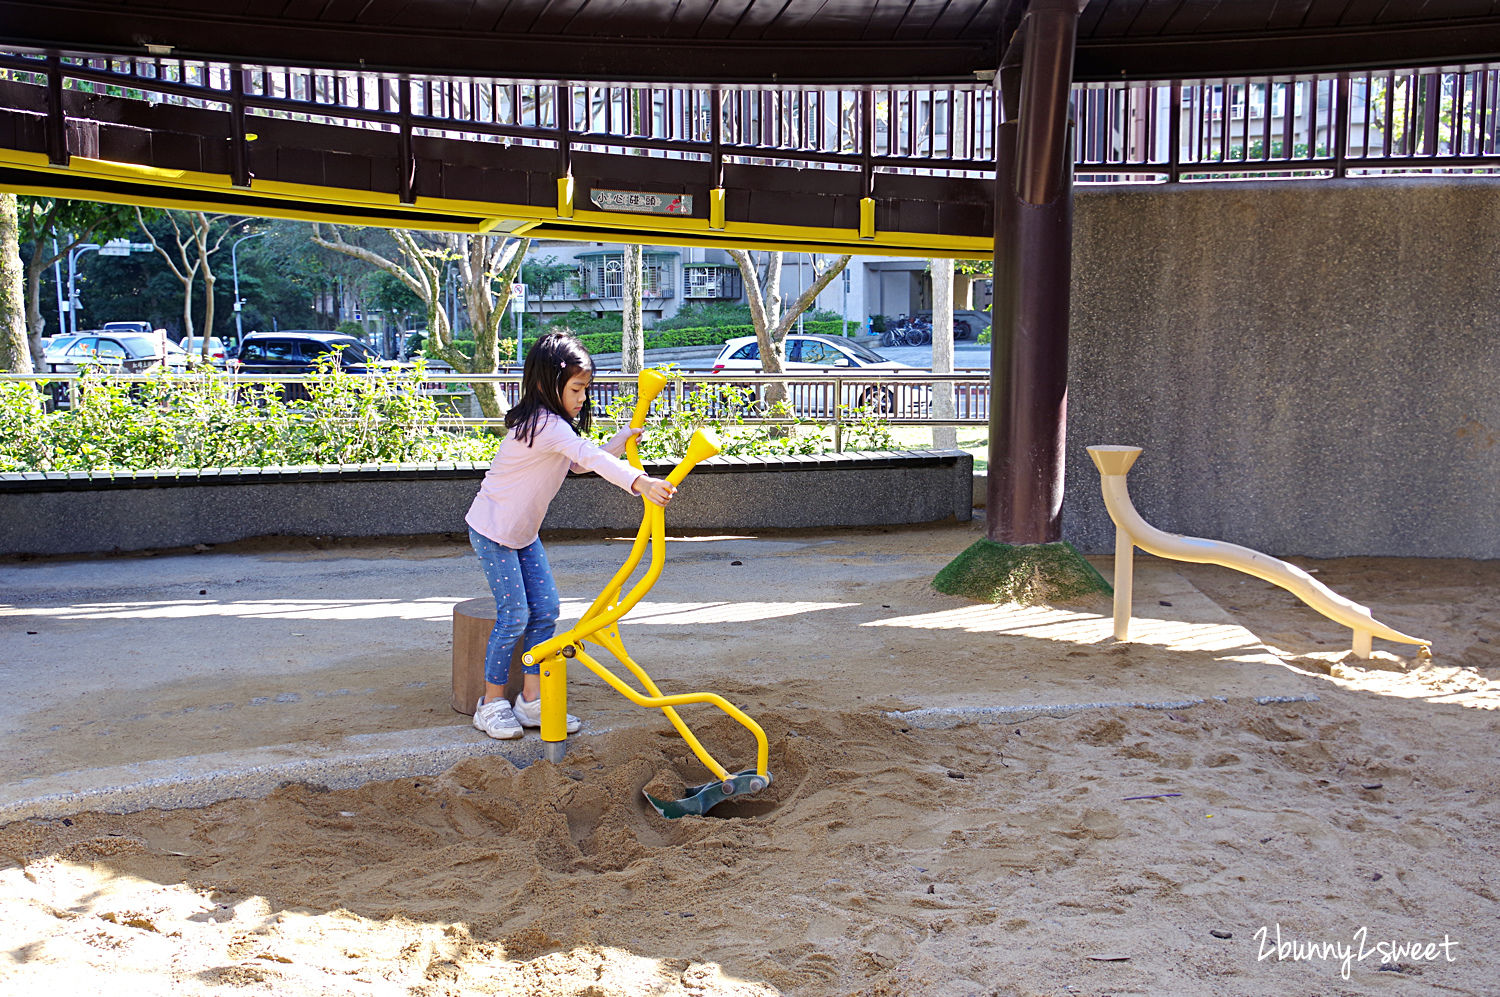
(716, 208)
(554, 705)
(867, 218)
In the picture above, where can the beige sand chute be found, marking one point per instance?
(1131, 531)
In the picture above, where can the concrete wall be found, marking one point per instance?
(79, 513)
(1311, 368)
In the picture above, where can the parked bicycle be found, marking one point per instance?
(908, 330)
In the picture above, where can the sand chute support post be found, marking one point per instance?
(599, 626)
(1131, 531)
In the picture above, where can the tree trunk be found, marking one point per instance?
(765, 310)
(479, 260)
(633, 338)
(187, 308)
(771, 326)
(35, 323)
(488, 274)
(15, 352)
(943, 407)
(209, 280)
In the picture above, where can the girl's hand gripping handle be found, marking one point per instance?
(648, 386)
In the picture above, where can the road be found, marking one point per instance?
(965, 354)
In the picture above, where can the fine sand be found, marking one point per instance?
(1123, 850)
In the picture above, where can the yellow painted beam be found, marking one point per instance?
(126, 183)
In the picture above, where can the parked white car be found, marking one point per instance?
(193, 347)
(130, 353)
(176, 357)
(854, 362)
(805, 353)
(55, 345)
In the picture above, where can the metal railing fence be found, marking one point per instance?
(1370, 123)
(1365, 123)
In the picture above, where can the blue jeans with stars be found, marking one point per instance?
(526, 602)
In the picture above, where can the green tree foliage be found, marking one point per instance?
(539, 275)
(385, 293)
(484, 267)
(50, 228)
(281, 275)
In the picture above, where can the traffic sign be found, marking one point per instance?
(123, 247)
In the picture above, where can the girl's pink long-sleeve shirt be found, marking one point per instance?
(524, 478)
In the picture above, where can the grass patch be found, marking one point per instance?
(1029, 574)
(975, 440)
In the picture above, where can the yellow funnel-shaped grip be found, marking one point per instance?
(702, 446)
(648, 385)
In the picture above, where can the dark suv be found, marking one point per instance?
(297, 351)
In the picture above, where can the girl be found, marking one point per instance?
(542, 444)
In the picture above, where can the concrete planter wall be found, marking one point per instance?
(75, 512)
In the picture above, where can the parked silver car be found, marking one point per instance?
(127, 352)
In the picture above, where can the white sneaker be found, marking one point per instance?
(529, 714)
(496, 719)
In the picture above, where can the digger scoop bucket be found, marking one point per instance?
(700, 799)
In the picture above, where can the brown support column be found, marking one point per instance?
(1033, 270)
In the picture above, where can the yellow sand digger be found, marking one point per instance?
(599, 626)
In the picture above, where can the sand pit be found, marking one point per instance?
(1105, 851)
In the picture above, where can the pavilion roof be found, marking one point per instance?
(764, 41)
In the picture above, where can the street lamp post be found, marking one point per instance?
(73, 254)
(114, 247)
(62, 309)
(234, 262)
(844, 310)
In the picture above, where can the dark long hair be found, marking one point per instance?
(550, 364)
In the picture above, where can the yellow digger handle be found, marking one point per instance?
(601, 614)
(666, 704)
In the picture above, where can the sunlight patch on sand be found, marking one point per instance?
(120, 932)
(435, 609)
(1075, 627)
(698, 613)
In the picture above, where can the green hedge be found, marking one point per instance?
(610, 342)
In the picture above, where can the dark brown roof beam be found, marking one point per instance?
(579, 59)
(1306, 51)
